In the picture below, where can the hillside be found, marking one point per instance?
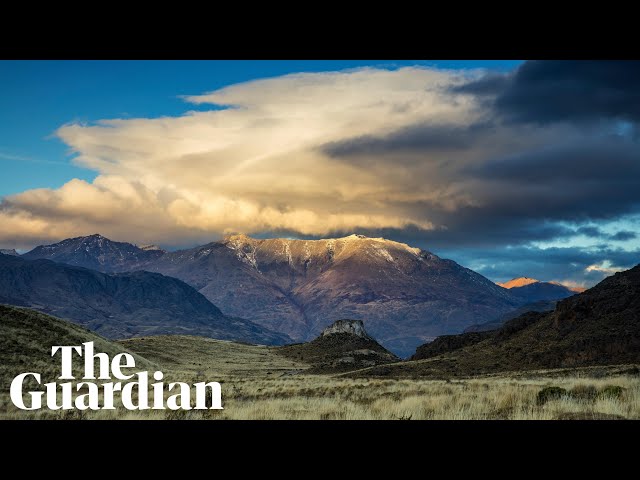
(539, 306)
(598, 327)
(188, 357)
(121, 305)
(343, 346)
(26, 338)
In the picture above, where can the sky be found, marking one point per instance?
(511, 168)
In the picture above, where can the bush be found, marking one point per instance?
(584, 392)
(612, 391)
(550, 393)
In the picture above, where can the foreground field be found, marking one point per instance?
(319, 397)
(258, 383)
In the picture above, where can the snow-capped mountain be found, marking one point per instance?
(404, 295)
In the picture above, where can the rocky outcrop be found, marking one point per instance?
(342, 347)
(12, 252)
(351, 327)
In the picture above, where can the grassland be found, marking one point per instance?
(261, 383)
(258, 383)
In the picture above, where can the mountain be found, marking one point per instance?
(121, 305)
(341, 347)
(97, 253)
(518, 282)
(404, 295)
(26, 337)
(530, 290)
(11, 251)
(597, 327)
(539, 306)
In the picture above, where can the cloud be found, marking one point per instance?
(604, 267)
(560, 91)
(590, 231)
(252, 167)
(446, 160)
(623, 235)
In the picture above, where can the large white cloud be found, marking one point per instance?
(254, 165)
(330, 153)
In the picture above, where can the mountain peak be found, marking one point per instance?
(9, 251)
(352, 327)
(96, 252)
(518, 282)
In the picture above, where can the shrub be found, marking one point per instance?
(612, 391)
(550, 393)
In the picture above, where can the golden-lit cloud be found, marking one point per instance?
(605, 267)
(256, 164)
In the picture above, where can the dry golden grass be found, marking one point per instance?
(323, 397)
(259, 384)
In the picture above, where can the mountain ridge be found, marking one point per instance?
(405, 295)
(97, 253)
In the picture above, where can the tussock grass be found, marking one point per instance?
(328, 398)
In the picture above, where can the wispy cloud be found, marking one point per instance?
(20, 158)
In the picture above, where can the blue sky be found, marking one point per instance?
(37, 97)
(509, 167)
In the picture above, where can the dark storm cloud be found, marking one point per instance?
(561, 91)
(417, 138)
(594, 179)
(594, 232)
(608, 158)
(527, 196)
(623, 235)
(543, 264)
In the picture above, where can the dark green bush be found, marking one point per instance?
(550, 393)
(612, 391)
